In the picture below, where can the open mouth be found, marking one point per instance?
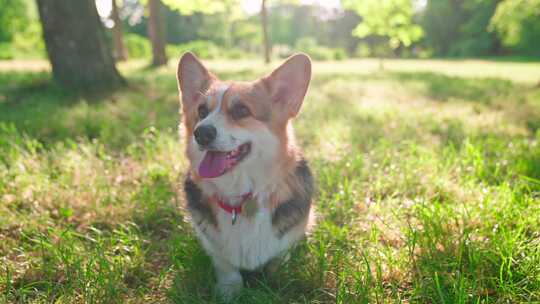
(217, 163)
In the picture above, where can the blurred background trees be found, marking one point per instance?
(157, 31)
(517, 23)
(12, 20)
(390, 21)
(327, 30)
(20, 30)
(460, 28)
(120, 51)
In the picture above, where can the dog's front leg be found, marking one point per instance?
(229, 279)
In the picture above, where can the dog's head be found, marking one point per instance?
(239, 125)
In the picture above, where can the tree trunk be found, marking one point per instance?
(156, 32)
(76, 45)
(120, 51)
(266, 41)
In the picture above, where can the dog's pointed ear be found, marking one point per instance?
(288, 83)
(193, 78)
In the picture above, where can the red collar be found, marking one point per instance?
(233, 209)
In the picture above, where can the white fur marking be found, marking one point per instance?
(214, 116)
(248, 244)
(220, 93)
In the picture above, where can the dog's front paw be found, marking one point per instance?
(229, 285)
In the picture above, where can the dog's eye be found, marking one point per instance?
(203, 111)
(240, 111)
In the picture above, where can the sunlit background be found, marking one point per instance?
(250, 7)
(421, 125)
(325, 29)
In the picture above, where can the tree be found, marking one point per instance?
(120, 51)
(157, 32)
(517, 22)
(458, 28)
(441, 21)
(76, 46)
(266, 40)
(390, 19)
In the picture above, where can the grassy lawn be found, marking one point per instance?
(428, 181)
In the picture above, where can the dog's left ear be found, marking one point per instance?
(193, 78)
(288, 83)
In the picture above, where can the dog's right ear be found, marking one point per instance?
(193, 78)
(288, 83)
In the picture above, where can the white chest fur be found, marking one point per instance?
(249, 243)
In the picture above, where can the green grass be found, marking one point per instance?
(428, 189)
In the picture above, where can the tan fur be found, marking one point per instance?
(256, 97)
(274, 180)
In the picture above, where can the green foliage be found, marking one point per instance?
(20, 31)
(392, 19)
(207, 29)
(137, 46)
(203, 49)
(189, 7)
(340, 54)
(206, 50)
(29, 43)
(441, 20)
(221, 15)
(289, 23)
(12, 18)
(386, 28)
(309, 46)
(450, 28)
(459, 28)
(6, 50)
(247, 35)
(518, 24)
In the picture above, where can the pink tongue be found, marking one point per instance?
(214, 164)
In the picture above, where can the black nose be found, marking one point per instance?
(204, 135)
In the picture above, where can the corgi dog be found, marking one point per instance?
(248, 189)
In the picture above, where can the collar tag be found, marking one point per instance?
(233, 210)
(233, 217)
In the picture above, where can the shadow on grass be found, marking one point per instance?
(444, 88)
(18, 88)
(43, 111)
